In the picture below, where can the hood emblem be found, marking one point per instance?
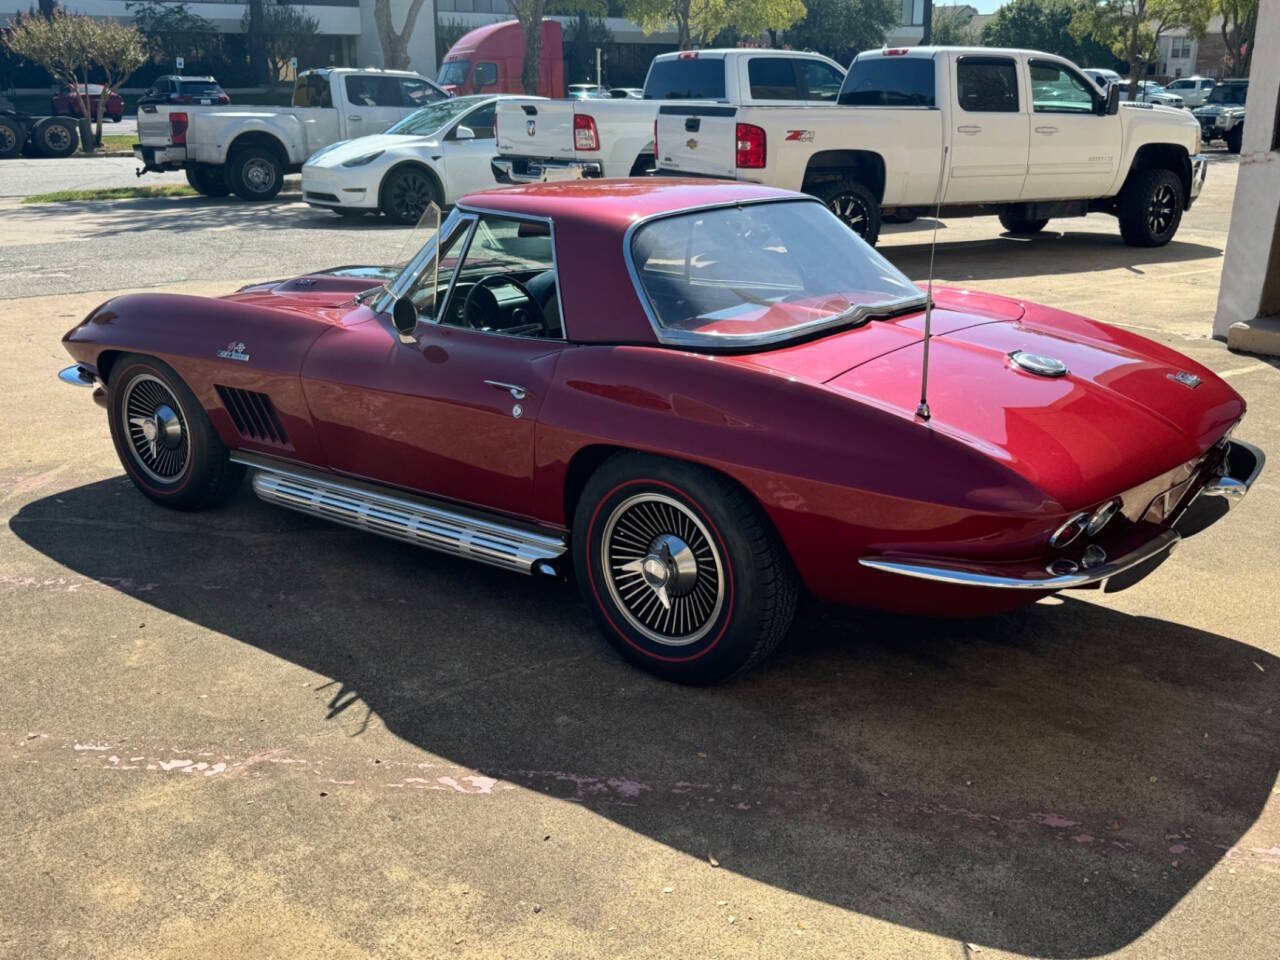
(1186, 378)
(1038, 364)
(234, 351)
(530, 126)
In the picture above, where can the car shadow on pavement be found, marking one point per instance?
(1050, 782)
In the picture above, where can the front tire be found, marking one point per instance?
(854, 204)
(164, 439)
(1150, 208)
(254, 174)
(208, 181)
(683, 572)
(1021, 225)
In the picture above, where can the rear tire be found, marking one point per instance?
(13, 136)
(1234, 139)
(900, 215)
(55, 137)
(208, 180)
(255, 174)
(164, 438)
(854, 204)
(1150, 208)
(1021, 225)
(729, 583)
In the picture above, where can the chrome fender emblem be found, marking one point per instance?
(234, 351)
(1186, 378)
(1038, 364)
(530, 126)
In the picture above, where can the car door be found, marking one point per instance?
(989, 130)
(1075, 146)
(375, 103)
(453, 412)
(466, 161)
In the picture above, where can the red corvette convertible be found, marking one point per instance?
(700, 397)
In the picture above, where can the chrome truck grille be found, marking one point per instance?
(419, 522)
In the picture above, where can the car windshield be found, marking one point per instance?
(761, 273)
(431, 118)
(1229, 93)
(454, 72)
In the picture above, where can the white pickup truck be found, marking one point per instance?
(248, 150)
(1017, 133)
(570, 139)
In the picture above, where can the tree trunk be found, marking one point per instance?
(682, 29)
(257, 42)
(87, 144)
(531, 69)
(47, 7)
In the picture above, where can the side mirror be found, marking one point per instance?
(463, 133)
(404, 316)
(1113, 100)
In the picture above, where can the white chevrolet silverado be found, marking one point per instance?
(570, 139)
(1017, 133)
(248, 150)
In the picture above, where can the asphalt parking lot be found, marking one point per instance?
(250, 733)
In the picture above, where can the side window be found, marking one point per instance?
(313, 91)
(481, 121)
(987, 85)
(821, 80)
(417, 93)
(486, 75)
(431, 282)
(889, 82)
(773, 78)
(1055, 89)
(506, 282)
(373, 91)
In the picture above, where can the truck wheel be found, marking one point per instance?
(253, 173)
(406, 194)
(901, 215)
(1150, 208)
(12, 138)
(164, 438)
(55, 137)
(1021, 225)
(1234, 139)
(208, 180)
(854, 204)
(683, 572)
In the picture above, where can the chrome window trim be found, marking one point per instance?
(685, 338)
(406, 278)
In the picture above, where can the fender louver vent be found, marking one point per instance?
(253, 414)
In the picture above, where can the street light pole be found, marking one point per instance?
(927, 36)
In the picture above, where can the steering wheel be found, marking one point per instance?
(482, 284)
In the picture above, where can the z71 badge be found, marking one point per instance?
(234, 351)
(800, 136)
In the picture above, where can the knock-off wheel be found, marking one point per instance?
(683, 571)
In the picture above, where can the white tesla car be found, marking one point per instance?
(438, 153)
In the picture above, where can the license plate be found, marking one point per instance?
(205, 103)
(535, 170)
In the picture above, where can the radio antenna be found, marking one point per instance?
(923, 411)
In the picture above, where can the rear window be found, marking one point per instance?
(201, 88)
(685, 79)
(889, 82)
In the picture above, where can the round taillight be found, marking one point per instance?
(1102, 516)
(1070, 530)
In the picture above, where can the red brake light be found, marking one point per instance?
(750, 146)
(178, 128)
(584, 132)
(896, 52)
(688, 55)
(224, 99)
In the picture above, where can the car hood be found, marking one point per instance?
(340, 153)
(326, 297)
(1213, 109)
(1127, 410)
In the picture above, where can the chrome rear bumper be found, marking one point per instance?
(1144, 543)
(522, 170)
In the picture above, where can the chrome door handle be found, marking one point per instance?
(1047, 130)
(517, 392)
(355, 116)
(969, 128)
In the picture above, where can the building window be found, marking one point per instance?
(1179, 48)
(911, 13)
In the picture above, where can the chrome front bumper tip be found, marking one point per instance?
(1241, 466)
(1199, 170)
(78, 376)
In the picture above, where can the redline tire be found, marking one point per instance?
(730, 600)
(204, 475)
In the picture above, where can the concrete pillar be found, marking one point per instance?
(422, 45)
(1249, 298)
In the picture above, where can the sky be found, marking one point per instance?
(985, 6)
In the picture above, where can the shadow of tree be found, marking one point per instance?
(1024, 781)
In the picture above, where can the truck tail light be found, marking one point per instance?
(751, 150)
(495, 124)
(178, 129)
(584, 132)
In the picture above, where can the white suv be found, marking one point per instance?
(1194, 91)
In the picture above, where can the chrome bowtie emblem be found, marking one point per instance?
(1185, 378)
(1038, 364)
(691, 143)
(530, 126)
